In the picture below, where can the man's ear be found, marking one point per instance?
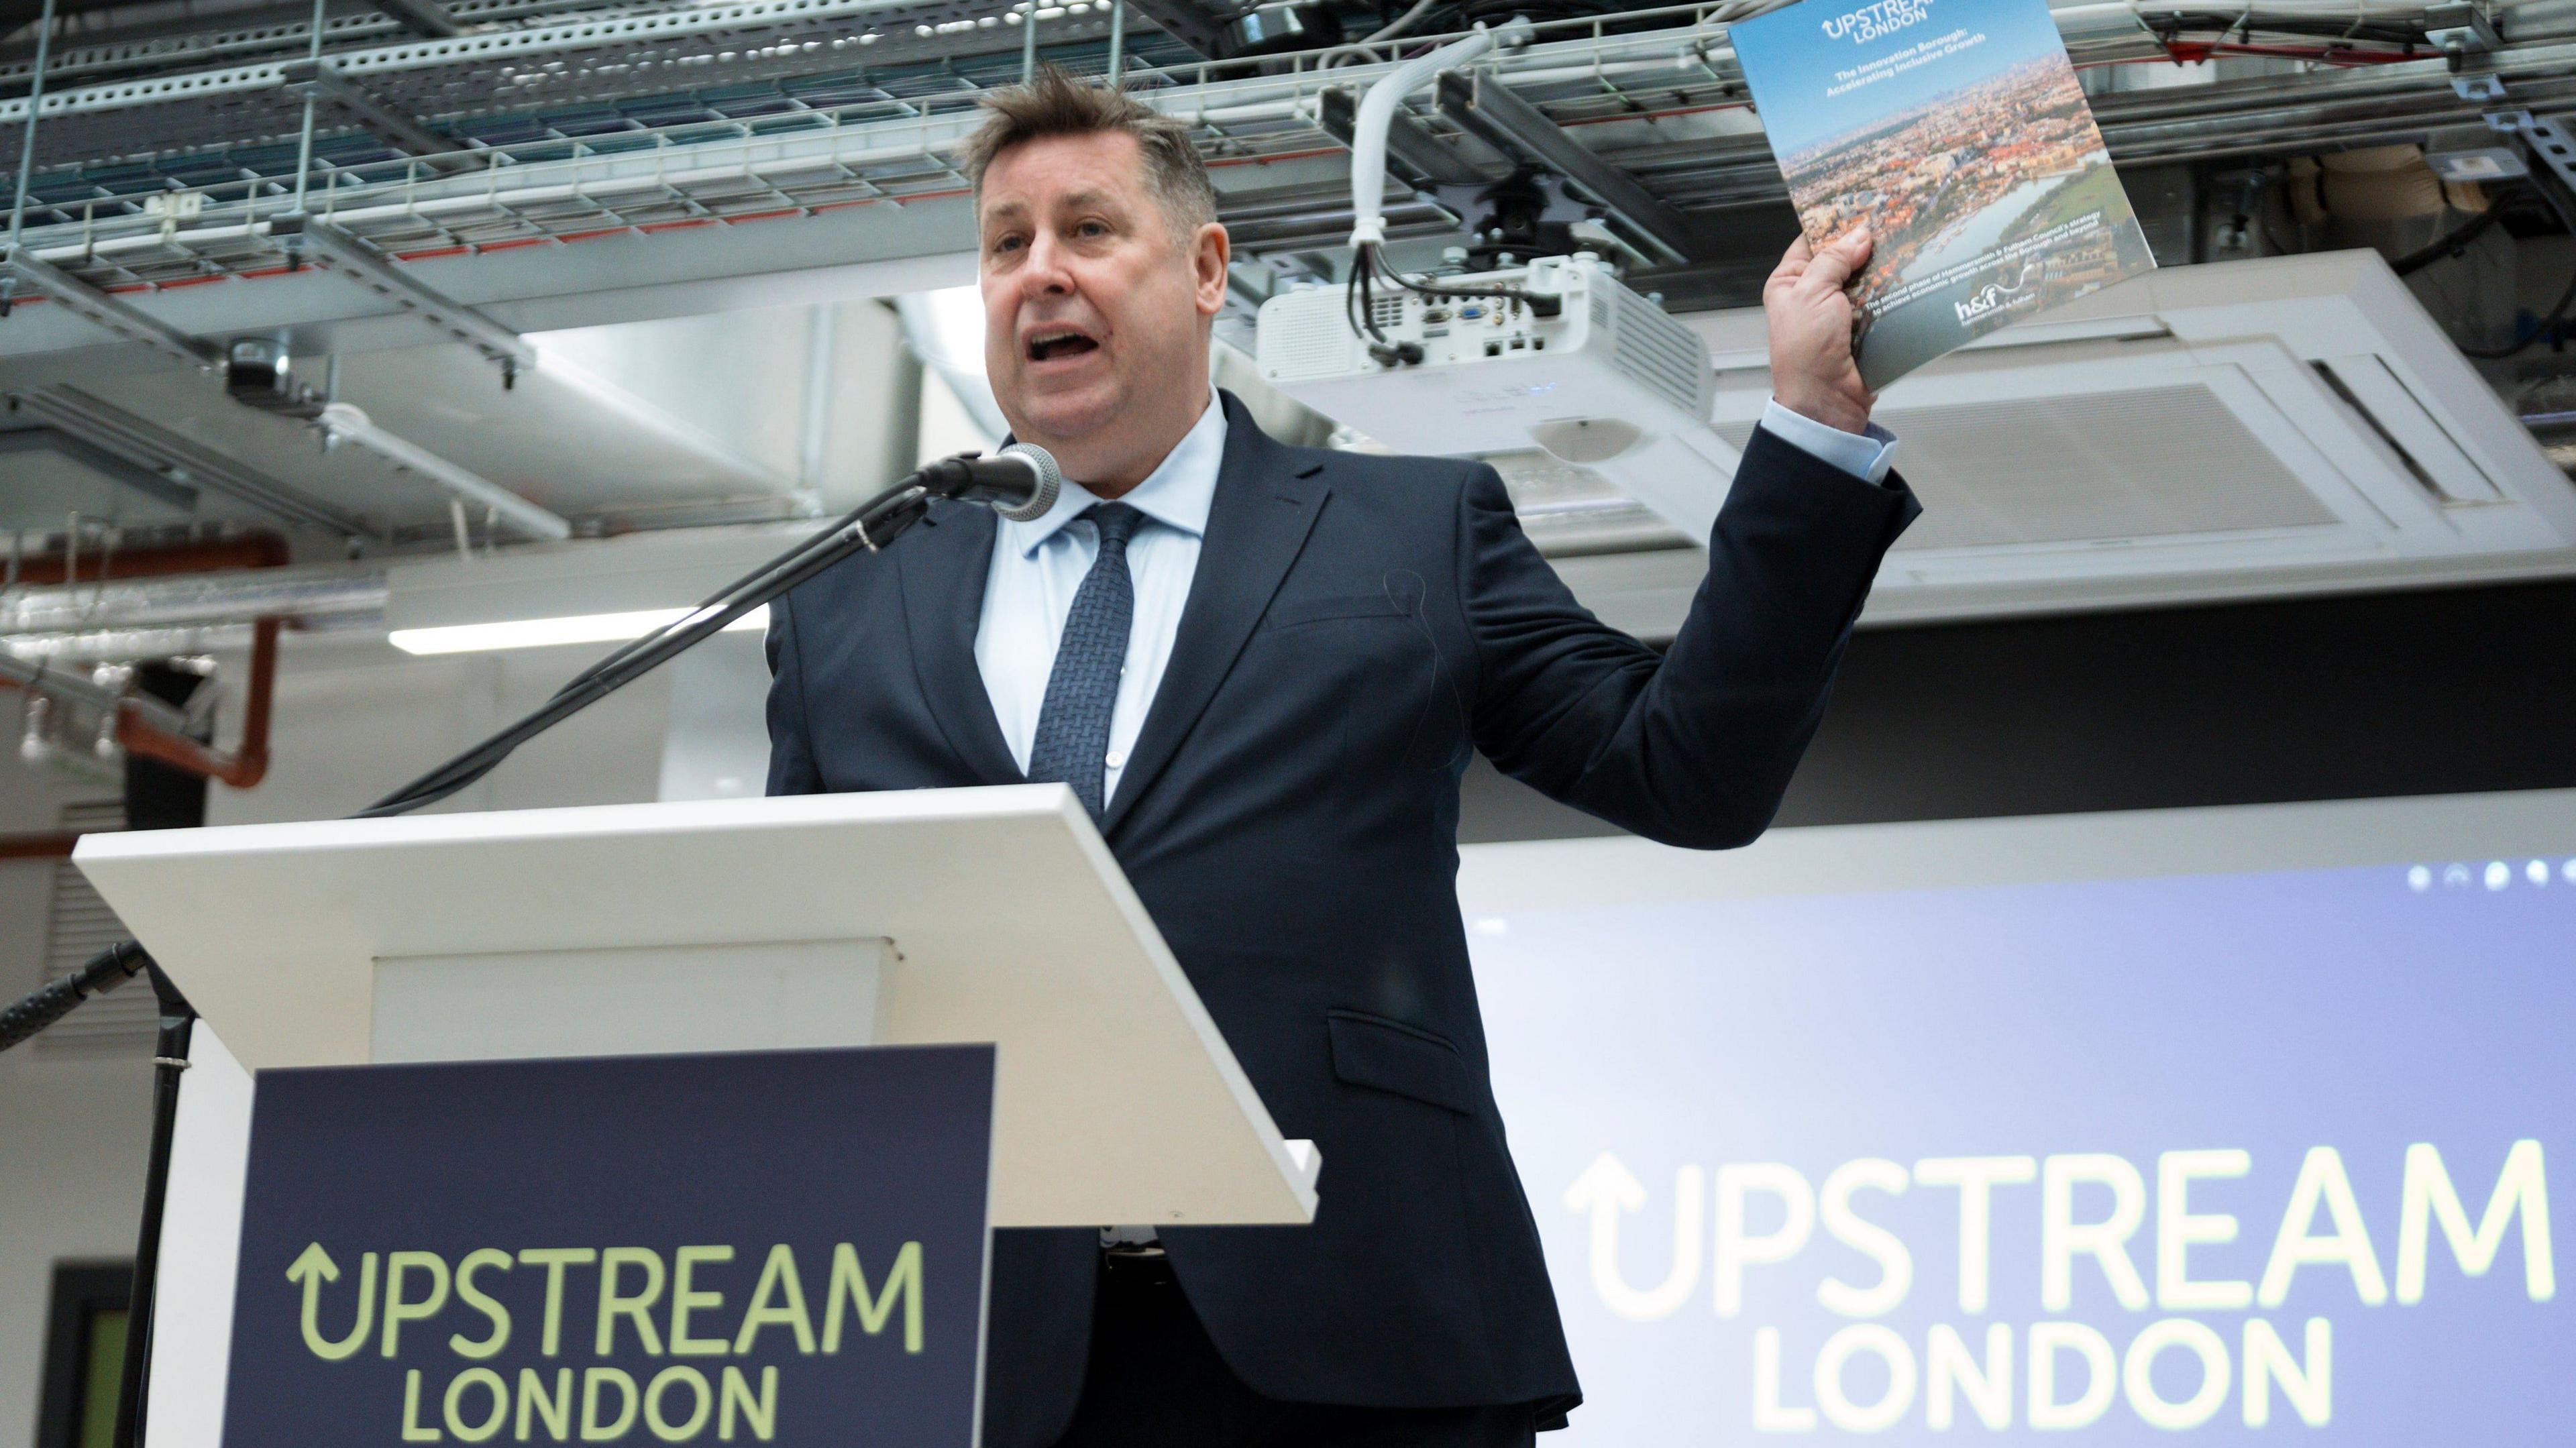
(1210, 250)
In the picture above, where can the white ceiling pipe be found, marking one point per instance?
(342, 422)
(1377, 112)
(119, 645)
(195, 599)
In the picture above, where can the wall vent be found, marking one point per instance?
(79, 925)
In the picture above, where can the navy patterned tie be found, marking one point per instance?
(1073, 723)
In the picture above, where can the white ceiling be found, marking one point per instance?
(619, 424)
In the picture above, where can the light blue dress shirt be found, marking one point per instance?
(1038, 565)
(1863, 455)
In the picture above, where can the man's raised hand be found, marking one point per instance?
(1810, 317)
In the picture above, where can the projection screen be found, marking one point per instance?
(2220, 1125)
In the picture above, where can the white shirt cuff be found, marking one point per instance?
(1863, 455)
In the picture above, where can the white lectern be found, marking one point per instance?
(965, 915)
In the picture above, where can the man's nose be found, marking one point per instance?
(1045, 272)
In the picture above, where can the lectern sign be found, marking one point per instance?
(778, 1247)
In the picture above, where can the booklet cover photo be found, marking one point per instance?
(1956, 131)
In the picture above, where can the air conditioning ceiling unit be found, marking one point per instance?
(2226, 430)
(2242, 429)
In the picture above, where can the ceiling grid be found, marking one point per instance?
(786, 132)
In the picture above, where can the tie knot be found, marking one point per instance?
(1117, 523)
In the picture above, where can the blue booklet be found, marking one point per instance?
(1956, 131)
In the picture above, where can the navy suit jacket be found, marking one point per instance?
(1357, 626)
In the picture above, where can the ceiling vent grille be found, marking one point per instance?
(78, 925)
(2245, 428)
(2067, 470)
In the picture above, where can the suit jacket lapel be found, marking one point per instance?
(944, 564)
(1266, 503)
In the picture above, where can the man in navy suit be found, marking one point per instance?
(1263, 669)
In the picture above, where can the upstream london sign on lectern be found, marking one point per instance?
(779, 1247)
(747, 930)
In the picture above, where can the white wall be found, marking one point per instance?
(357, 720)
(73, 1134)
(717, 743)
(72, 1131)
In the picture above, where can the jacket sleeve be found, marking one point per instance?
(1693, 747)
(791, 752)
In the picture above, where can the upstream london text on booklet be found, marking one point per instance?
(1956, 131)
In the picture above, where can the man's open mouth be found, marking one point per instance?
(1049, 345)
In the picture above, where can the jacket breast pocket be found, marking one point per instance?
(1291, 612)
(1374, 661)
(1385, 1055)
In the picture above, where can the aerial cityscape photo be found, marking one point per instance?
(1967, 147)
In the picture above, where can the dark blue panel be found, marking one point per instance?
(781, 1247)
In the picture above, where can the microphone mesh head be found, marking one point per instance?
(1050, 483)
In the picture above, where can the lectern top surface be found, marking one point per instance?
(1008, 918)
(275, 898)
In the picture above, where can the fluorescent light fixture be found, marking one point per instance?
(538, 633)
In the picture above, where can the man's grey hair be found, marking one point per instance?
(1053, 103)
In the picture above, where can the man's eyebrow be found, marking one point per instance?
(1018, 208)
(1089, 198)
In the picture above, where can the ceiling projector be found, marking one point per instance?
(1607, 383)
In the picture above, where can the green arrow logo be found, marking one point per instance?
(313, 1268)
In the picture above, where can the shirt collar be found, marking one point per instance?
(1177, 494)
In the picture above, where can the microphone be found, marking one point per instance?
(1020, 482)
